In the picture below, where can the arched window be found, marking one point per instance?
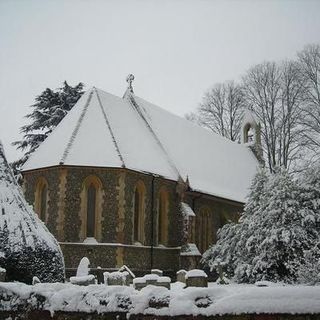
(203, 229)
(138, 212)
(41, 199)
(163, 205)
(91, 208)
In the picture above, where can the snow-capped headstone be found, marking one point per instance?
(181, 275)
(157, 271)
(28, 249)
(35, 280)
(129, 274)
(115, 278)
(83, 278)
(196, 278)
(83, 267)
(2, 274)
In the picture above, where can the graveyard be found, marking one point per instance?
(121, 295)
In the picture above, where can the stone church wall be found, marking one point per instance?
(221, 211)
(65, 185)
(29, 187)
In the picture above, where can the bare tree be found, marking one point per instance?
(292, 139)
(309, 60)
(221, 110)
(274, 93)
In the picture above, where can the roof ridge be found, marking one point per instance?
(76, 129)
(137, 108)
(110, 129)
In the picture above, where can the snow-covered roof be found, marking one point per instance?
(103, 130)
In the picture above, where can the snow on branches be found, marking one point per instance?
(27, 249)
(49, 109)
(276, 235)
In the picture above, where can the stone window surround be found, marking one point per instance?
(162, 215)
(88, 181)
(139, 215)
(41, 184)
(203, 228)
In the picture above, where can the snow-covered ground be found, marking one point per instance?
(214, 300)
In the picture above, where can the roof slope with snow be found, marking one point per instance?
(103, 130)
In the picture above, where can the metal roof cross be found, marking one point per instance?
(130, 79)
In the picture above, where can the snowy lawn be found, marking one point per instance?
(214, 300)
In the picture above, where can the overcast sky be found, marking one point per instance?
(176, 49)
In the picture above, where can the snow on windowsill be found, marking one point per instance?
(115, 244)
(90, 240)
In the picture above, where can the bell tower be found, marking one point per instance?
(251, 135)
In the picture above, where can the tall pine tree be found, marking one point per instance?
(49, 109)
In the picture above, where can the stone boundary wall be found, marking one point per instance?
(45, 315)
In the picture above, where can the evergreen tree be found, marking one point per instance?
(309, 271)
(49, 109)
(309, 185)
(27, 248)
(233, 237)
(224, 252)
(277, 236)
(274, 233)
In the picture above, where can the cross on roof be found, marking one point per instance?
(130, 79)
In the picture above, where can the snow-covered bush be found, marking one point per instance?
(309, 271)
(27, 247)
(232, 236)
(278, 226)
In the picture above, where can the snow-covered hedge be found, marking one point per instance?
(215, 300)
(27, 249)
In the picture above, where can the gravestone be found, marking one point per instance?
(196, 278)
(2, 275)
(181, 275)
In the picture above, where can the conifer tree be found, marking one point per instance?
(309, 271)
(279, 227)
(49, 109)
(275, 246)
(232, 237)
(27, 248)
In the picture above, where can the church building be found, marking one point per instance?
(125, 182)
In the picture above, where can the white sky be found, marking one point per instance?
(176, 49)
